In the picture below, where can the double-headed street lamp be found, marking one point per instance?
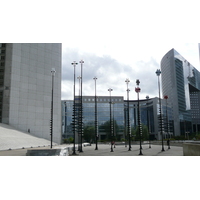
(148, 121)
(111, 127)
(128, 117)
(167, 123)
(53, 71)
(96, 124)
(137, 90)
(158, 72)
(74, 107)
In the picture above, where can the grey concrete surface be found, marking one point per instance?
(121, 150)
(104, 150)
(11, 138)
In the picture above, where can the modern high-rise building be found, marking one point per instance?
(26, 87)
(181, 83)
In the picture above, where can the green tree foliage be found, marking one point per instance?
(145, 135)
(89, 133)
(106, 128)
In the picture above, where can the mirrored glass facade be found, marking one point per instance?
(118, 114)
(103, 115)
(181, 82)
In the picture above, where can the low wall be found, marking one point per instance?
(191, 149)
(47, 152)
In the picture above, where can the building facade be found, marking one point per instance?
(181, 82)
(103, 115)
(26, 87)
(149, 113)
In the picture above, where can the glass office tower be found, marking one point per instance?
(181, 82)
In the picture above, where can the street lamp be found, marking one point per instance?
(65, 117)
(168, 141)
(148, 121)
(74, 107)
(81, 105)
(137, 90)
(128, 118)
(111, 128)
(158, 72)
(79, 116)
(114, 135)
(53, 71)
(96, 127)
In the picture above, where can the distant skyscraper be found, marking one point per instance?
(181, 82)
(25, 87)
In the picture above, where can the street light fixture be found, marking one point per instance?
(114, 135)
(74, 107)
(81, 105)
(53, 71)
(111, 127)
(128, 117)
(158, 72)
(148, 121)
(167, 122)
(79, 116)
(137, 90)
(96, 127)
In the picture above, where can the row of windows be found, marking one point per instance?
(2, 45)
(103, 100)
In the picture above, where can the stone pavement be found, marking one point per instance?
(121, 150)
(104, 150)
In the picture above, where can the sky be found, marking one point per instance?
(126, 39)
(116, 39)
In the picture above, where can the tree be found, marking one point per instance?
(89, 132)
(145, 135)
(106, 128)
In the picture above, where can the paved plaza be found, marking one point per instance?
(105, 150)
(121, 150)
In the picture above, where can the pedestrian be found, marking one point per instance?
(168, 142)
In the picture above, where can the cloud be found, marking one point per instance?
(110, 74)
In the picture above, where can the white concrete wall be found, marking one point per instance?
(30, 91)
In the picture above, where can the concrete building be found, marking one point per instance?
(26, 86)
(181, 82)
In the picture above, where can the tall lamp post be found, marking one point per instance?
(96, 127)
(128, 117)
(167, 123)
(53, 71)
(114, 133)
(79, 116)
(158, 72)
(111, 128)
(74, 107)
(148, 121)
(137, 89)
(81, 105)
(65, 117)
